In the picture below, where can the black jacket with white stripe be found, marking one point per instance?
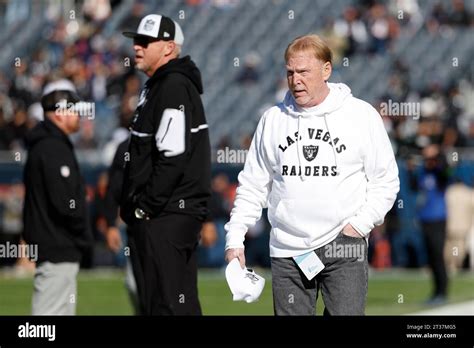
(169, 165)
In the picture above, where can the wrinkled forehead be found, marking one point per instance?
(301, 59)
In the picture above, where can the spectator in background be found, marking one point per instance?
(459, 16)
(249, 73)
(5, 134)
(12, 223)
(97, 10)
(208, 234)
(17, 128)
(197, 2)
(470, 135)
(55, 42)
(460, 212)
(353, 29)
(225, 4)
(136, 14)
(337, 41)
(86, 140)
(399, 81)
(116, 237)
(35, 115)
(410, 12)
(99, 225)
(439, 15)
(430, 183)
(20, 86)
(128, 92)
(383, 28)
(219, 209)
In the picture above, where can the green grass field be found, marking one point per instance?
(102, 292)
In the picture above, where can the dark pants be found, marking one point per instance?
(343, 281)
(137, 272)
(435, 237)
(165, 264)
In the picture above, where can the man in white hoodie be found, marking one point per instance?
(321, 161)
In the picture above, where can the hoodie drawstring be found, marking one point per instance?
(298, 150)
(331, 142)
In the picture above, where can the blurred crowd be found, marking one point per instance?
(100, 68)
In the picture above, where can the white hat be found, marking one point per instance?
(59, 85)
(58, 90)
(158, 27)
(245, 284)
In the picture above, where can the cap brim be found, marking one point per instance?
(132, 34)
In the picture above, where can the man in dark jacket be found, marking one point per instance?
(430, 182)
(54, 212)
(113, 235)
(167, 179)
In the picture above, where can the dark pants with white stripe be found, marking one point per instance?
(165, 264)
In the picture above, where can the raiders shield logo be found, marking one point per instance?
(310, 152)
(149, 24)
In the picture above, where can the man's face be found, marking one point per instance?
(307, 78)
(71, 122)
(68, 122)
(431, 156)
(149, 54)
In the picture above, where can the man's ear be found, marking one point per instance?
(170, 47)
(327, 70)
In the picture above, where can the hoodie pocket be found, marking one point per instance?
(307, 218)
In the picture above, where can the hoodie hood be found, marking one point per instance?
(45, 129)
(184, 66)
(338, 93)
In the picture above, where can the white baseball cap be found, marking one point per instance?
(158, 27)
(55, 91)
(59, 85)
(244, 284)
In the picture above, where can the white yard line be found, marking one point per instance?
(463, 308)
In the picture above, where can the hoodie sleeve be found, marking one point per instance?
(382, 177)
(172, 140)
(254, 187)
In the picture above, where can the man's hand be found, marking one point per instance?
(348, 230)
(114, 241)
(231, 254)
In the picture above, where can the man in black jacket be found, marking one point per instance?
(167, 179)
(54, 212)
(113, 235)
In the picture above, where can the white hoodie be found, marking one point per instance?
(316, 169)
